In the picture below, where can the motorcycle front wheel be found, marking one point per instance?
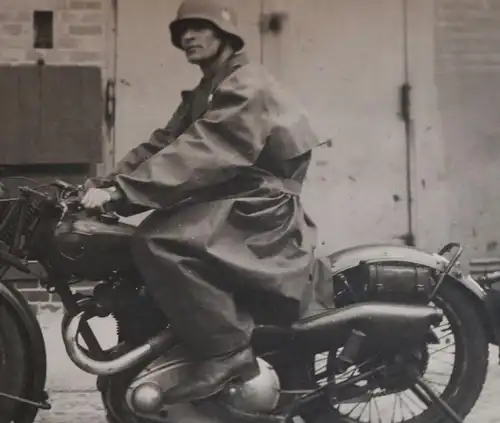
(455, 368)
(14, 371)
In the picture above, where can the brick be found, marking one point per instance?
(55, 298)
(88, 43)
(52, 307)
(33, 55)
(12, 28)
(85, 57)
(86, 29)
(27, 285)
(84, 291)
(95, 17)
(15, 42)
(80, 4)
(69, 17)
(494, 7)
(86, 284)
(59, 4)
(23, 5)
(67, 43)
(12, 55)
(34, 308)
(54, 57)
(36, 295)
(15, 16)
(23, 17)
(81, 17)
(34, 266)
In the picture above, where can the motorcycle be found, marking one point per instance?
(396, 308)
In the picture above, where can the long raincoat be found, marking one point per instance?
(229, 243)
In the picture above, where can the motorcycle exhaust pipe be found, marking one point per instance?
(71, 330)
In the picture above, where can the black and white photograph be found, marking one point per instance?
(249, 211)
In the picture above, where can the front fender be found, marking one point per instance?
(22, 312)
(376, 253)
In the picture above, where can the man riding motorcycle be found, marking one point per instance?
(228, 244)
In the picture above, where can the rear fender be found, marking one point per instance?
(379, 253)
(33, 336)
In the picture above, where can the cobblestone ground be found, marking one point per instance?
(74, 400)
(85, 407)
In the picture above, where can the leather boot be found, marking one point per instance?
(209, 377)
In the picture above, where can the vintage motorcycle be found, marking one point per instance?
(396, 309)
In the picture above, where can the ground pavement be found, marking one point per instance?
(74, 399)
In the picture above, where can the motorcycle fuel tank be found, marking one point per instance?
(91, 249)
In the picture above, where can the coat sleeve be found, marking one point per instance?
(226, 139)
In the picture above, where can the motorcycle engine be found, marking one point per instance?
(258, 395)
(138, 319)
(144, 395)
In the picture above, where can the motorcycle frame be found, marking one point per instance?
(340, 261)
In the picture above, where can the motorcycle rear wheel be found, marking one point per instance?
(467, 378)
(14, 370)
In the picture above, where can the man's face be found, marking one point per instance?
(200, 41)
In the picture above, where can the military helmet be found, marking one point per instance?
(219, 15)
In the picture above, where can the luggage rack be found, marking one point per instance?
(447, 249)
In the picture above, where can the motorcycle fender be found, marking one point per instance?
(33, 338)
(379, 253)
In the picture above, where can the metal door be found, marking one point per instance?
(345, 61)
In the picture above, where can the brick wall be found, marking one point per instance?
(38, 296)
(468, 85)
(40, 299)
(467, 36)
(80, 37)
(79, 32)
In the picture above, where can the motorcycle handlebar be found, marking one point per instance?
(69, 198)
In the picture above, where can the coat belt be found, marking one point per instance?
(288, 186)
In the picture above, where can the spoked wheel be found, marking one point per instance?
(455, 369)
(13, 369)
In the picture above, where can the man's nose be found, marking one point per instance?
(188, 34)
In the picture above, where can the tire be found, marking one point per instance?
(471, 379)
(468, 375)
(14, 370)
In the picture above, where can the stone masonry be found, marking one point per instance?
(80, 38)
(37, 295)
(79, 32)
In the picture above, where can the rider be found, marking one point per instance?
(228, 243)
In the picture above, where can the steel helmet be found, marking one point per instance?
(219, 15)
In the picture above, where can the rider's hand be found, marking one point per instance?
(88, 184)
(95, 198)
